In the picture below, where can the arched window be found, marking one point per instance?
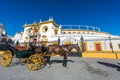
(45, 29)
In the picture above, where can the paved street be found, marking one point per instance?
(78, 69)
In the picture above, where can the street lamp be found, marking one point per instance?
(82, 40)
(59, 41)
(111, 44)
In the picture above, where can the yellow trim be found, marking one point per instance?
(44, 43)
(49, 21)
(44, 37)
(54, 42)
(44, 40)
(40, 23)
(93, 51)
(85, 31)
(103, 51)
(85, 42)
(99, 55)
(95, 45)
(56, 28)
(118, 55)
(90, 51)
(30, 25)
(105, 33)
(86, 45)
(67, 43)
(80, 45)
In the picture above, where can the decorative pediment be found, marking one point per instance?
(47, 22)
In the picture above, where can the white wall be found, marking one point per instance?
(89, 38)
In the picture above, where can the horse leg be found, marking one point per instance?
(48, 61)
(65, 59)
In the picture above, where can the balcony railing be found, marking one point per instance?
(79, 27)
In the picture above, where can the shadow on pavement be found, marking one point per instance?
(17, 63)
(59, 61)
(75, 54)
(118, 63)
(110, 65)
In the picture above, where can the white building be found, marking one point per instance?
(2, 31)
(89, 38)
(3, 35)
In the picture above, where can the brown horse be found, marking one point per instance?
(63, 50)
(69, 47)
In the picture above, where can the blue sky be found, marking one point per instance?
(100, 13)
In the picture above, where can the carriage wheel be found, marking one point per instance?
(6, 58)
(34, 62)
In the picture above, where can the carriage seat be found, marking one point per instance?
(20, 48)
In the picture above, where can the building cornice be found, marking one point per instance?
(49, 21)
(40, 23)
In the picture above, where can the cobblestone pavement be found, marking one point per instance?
(78, 69)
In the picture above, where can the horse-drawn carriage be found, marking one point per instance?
(36, 56)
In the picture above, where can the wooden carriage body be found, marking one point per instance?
(35, 58)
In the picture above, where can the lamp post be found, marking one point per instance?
(111, 44)
(0, 32)
(112, 48)
(1, 27)
(59, 41)
(82, 40)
